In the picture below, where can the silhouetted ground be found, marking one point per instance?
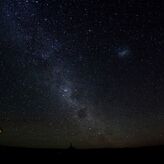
(131, 154)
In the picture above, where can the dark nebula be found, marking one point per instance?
(82, 113)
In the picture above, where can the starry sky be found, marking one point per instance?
(86, 72)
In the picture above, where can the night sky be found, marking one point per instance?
(86, 72)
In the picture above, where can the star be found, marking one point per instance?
(1, 131)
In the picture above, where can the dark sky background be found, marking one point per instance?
(86, 72)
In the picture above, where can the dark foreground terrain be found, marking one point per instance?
(155, 153)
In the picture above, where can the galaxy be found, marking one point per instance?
(87, 73)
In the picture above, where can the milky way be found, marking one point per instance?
(86, 73)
